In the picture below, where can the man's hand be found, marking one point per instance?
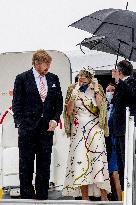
(52, 125)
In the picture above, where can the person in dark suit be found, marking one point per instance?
(123, 97)
(37, 105)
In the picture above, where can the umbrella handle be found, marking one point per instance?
(117, 56)
(127, 6)
(79, 44)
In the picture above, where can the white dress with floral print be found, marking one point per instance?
(87, 160)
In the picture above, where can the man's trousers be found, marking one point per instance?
(34, 144)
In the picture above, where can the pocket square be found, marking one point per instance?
(53, 86)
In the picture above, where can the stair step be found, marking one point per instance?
(54, 202)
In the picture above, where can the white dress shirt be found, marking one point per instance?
(37, 80)
(126, 77)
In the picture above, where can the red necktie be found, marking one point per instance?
(42, 89)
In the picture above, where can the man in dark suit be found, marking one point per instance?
(37, 106)
(123, 97)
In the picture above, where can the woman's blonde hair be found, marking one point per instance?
(41, 56)
(86, 74)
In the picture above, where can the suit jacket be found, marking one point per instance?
(27, 105)
(124, 96)
(131, 82)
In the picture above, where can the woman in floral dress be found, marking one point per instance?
(87, 167)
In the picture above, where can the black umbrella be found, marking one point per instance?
(112, 23)
(118, 26)
(113, 46)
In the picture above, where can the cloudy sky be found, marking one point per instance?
(27, 25)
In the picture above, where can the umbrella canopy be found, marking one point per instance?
(113, 46)
(112, 23)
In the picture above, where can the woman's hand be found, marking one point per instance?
(98, 98)
(95, 84)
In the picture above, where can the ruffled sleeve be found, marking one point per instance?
(68, 120)
(103, 116)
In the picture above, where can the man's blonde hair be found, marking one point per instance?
(41, 56)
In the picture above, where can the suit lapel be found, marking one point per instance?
(33, 83)
(49, 82)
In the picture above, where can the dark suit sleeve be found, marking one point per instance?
(17, 102)
(58, 102)
(132, 88)
(123, 92)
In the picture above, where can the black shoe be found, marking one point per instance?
(78, 198)
(27, 193)
(41, 197)
(28, 196)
